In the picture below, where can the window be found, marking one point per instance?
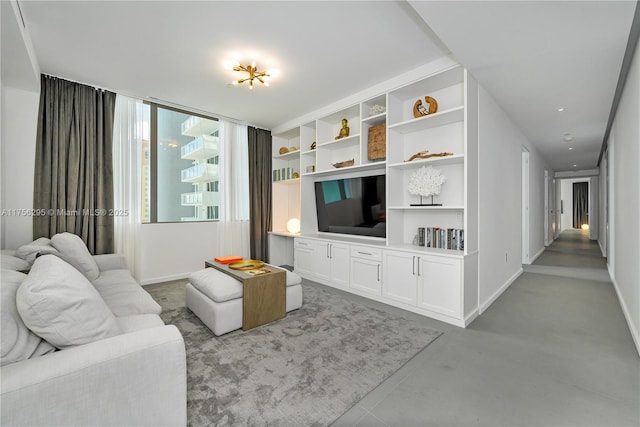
(180, 167)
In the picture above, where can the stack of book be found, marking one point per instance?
(442, 238)
(282, 174)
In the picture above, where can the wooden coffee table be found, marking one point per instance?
(263, 296)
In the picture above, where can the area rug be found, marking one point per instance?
(304, 370)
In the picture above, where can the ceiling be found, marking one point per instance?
(533, 57)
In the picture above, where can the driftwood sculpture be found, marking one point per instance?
(424, 155)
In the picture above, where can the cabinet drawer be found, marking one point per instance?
(366, 252)
(303, 243)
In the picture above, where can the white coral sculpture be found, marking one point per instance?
(426, 181)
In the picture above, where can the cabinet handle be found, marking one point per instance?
(413, 264)
(328, 251)
(418, 266)
(378, 272)
(364, 253)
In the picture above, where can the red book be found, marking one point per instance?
(227, 259)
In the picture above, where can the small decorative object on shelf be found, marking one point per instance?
(311, 169)
(420, 110)
(296, 175)
(344, 130)
(424, 155)
(344, 164)
(313, 145)
(283, 150)
(376, 109)
(292, 149)
(424, 182)
(377, 143)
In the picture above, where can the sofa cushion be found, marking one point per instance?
(59, 304)
(18, 342)
(123, 295)
(216, 285)
(14, 263)
(139, 322)
(74, 251)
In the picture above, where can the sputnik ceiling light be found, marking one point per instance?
(253, 72)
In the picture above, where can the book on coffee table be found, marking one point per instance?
(227, 259)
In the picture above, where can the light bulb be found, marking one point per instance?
(235, 82)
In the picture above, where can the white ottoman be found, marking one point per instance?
(216, 298)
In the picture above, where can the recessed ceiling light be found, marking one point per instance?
(575, 166)
(561, 109)
(567, 137)
(570, 148)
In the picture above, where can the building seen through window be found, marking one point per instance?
(180, 167)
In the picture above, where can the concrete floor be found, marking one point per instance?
(553, 350)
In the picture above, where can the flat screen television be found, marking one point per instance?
(352, 206)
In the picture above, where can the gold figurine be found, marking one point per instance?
(344, 131)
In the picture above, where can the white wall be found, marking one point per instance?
(20, 95)
(19, 124)
(624, 200)
(174, 250)
(500, 245)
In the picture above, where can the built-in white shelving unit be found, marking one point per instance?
(441, 283)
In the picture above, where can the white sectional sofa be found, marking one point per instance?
(83, 343)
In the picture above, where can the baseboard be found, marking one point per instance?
(535, 257)
(161, 279)
(604, 253)
(471, 317)
(625, 311)
(496, 294)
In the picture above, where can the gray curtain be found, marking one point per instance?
(74, 168)
(580, 204)
(259, 192)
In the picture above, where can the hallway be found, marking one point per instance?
(553, 350)
(572, 254)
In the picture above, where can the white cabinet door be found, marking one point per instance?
(339, 259)
(366, 275)
(322, 260)
(400, 276)
(304, 257)
(439, 285)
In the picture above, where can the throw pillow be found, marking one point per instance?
(30, 251)
(18, 342)
(73, 250)
(59, 304)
